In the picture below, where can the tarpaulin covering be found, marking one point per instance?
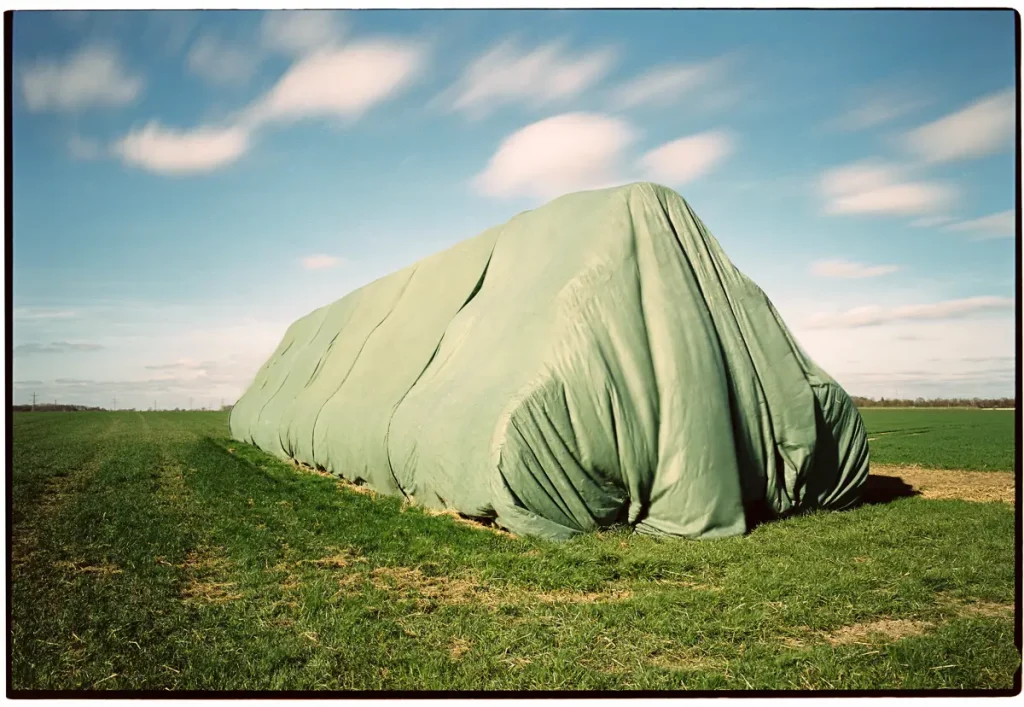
(593, 362)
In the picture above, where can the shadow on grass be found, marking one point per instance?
(885, 489)
(877, 490)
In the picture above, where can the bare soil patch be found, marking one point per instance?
(468, 521)
(103, 568)
(882, 629)
(203, 567)
(980, 486)
(459, 647)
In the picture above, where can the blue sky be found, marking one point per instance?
(186, 184)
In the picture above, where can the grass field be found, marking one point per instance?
(972, 440)
(150, 551)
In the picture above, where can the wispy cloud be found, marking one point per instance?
(876, 108)
(30, 313)
(222, 63)
(931, 221)
(180, 364)
(84, 148)
(567, 152)
(999, 225)
(321, 262)
(343, 83)
(169, 151)
(56, 347)
(339, 83)
(872, 187)
(982, 128)
(508, 74)
(663, 85)
(94, 77)
(300, 32)
(683, 160)
(874, 315)
(847, 270)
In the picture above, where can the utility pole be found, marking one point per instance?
(115, 403)
(33, 401)
(190, 402)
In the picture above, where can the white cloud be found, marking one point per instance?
(875, 314)
(877, 188)
(219, 62)
(84, 148)
(159, 149)
(299, 32)
(982, 128)
(662, 85)
(688, 158)
(568, 152)
(342, 83)
(1000, 225)
(94, 77)
(845, 269)
(320, 262)
(506, 74)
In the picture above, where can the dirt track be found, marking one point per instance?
(941, 483)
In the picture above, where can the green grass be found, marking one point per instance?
(973, 440)
(152, 552)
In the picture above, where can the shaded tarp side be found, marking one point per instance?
(597, 360)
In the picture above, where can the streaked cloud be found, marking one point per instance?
(300, 32)
(321, 262)
(931, 221)
(180, 364)
(847, 270)
(223, 63)
(568, 152)
(33, 313)
(94, 77)
(999, 225)
(665, 84)
(982, 128)
(872, 187)
(875, 315)
(84, 148)
(509, 74)
(57, 347)
(165, 150)
(342, 83)
(686, 159)
(875, 108)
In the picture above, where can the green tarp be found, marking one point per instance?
(595, 361)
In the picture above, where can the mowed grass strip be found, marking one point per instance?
(180, 559)
(941, 438)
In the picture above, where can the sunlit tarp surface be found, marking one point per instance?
(595, 361)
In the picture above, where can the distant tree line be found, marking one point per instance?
(51, 407)
(934, 402)
(63, 407)
(857, 400)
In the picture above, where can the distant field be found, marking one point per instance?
(150, 551)
(973, 440)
